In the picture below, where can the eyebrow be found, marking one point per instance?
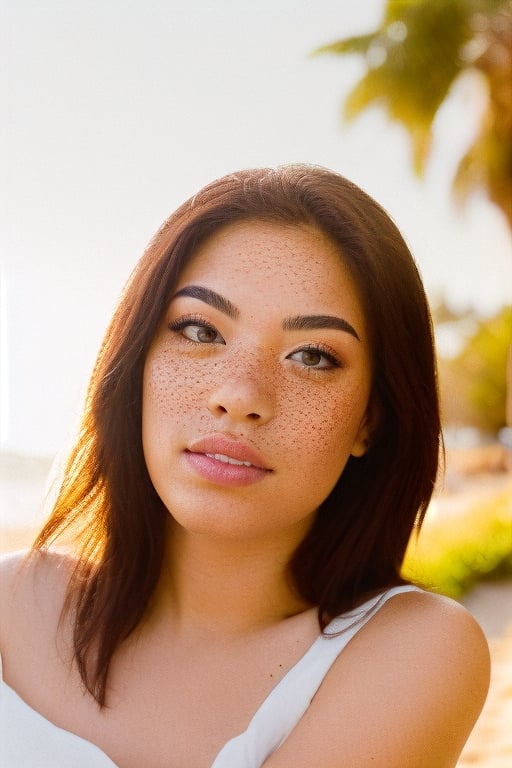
(312, 322)
(210, 297)
(296, 323)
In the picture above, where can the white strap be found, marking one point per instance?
(289, 700)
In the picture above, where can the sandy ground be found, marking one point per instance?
(490, 744)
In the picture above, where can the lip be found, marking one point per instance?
(232, 447)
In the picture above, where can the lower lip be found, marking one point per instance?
(222, 473)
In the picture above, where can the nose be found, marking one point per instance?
(243, 396)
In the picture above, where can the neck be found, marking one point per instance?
(228, 585)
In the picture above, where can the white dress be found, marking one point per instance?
(28, 740)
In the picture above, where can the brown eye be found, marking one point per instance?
(312, 357)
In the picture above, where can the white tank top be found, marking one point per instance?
(28, 740)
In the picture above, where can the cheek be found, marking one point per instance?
(166, 393)
(167, 388)
(327, 418)
(323, 432)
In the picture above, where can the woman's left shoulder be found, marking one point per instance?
(437, 629)
(436, 656)
(406, 690)
(422, 603)
(429, 618)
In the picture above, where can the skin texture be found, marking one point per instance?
(225, 624)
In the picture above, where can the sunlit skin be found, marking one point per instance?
(233, 361)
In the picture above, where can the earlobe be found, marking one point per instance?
(367, 429)
(362, 441)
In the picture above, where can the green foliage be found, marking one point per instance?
(413, 59)
(485, 359)
(451, 555)
(477, 375)
(416, 43)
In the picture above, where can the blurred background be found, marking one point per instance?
(114, 112)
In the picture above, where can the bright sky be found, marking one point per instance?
(117, 111)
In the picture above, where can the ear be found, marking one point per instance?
(367, 429)
(362, 441)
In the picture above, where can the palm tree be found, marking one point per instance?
(413, 58)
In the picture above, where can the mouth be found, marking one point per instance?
(227, 461)
(229, 450)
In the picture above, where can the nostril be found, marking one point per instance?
(235, 402)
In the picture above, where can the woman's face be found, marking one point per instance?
(256, 385)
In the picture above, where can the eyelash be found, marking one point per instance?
(179, 325)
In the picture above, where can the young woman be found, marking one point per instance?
(260, 439)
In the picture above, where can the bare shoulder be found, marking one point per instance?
(432, 623)
(33, 586)
(441, 635)
(407, 690)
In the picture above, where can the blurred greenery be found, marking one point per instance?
(413, 59)
(453, 552)
(473, 382)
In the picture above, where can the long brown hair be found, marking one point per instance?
(358, 540)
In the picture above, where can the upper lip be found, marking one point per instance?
(230, 446)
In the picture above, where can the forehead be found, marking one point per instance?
(294, 264)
